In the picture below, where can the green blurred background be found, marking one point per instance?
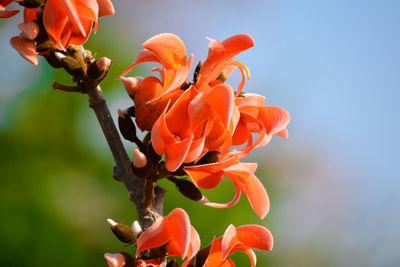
(333, 184)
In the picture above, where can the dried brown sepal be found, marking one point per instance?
(187, 188)
(126, 126)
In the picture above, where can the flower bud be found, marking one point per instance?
(139, 159)
(187, 188)
(26, 48)
(30, 3)
(131, 84)
(173, 263)
(98, 69)
(126, 126)
(210, 157)
(136, 228)
(29, 30)
(123, 232)
(115, 260)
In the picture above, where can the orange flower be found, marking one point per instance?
(71, 21)
(150, 94)
(194, 125)
(6, 13)
(220, 63)
(208, 176)
(244, 238)
(257, 118)
(174, 229)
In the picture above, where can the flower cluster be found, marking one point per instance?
(202, 129)
(175, 236)
(54, 22)
(205, 127)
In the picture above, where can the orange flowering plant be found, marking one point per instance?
(197, 131)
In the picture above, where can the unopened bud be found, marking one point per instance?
(187, 188)
(136, 228)
(131, 84)
(123, 232)
(139, 159)
(210, 157)
(173, 263)
(30, 3)
(111, 223)
(126, 126)
(98, 69)
(29, 29)
(115, 260)
(59, 55)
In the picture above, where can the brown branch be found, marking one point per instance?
(123, 171)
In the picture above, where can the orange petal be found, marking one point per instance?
(229, 241)
(284, 133)
(144, 56)
(216, 52)
(221, 101)
(250, 100)
(257, 195)
(215, 256)
(155, 236)
(255, 237)
(71, 11)
(29, 29)
(176, 153)
(169, 48)
(106, 8)
(160, 135)
(237, 44)
(26, 48)
(30, 14)
(8, 13)
(179, 231)
(274, 119)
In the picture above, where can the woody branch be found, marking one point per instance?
(90, 74)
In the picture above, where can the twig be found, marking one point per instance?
(122, 171)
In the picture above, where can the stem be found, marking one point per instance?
(123, 171)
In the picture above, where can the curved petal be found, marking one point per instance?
(106, 8)
(237, 44)
(255, 237)
(157, 235)
(169, 48)
(257, 195)
(179, 231)
(216, 52)
(228, 204)
(274, 119)
(229, 241)
(284, 133)
(144, 56)
(176, 153)
(26, 48)
(8, 13)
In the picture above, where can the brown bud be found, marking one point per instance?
(98, 69)
(173, 263)
(30, 3)
(123, 232)
(187, 188)
(210, 157)
(126, 126)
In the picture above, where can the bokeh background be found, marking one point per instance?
(334, 65)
